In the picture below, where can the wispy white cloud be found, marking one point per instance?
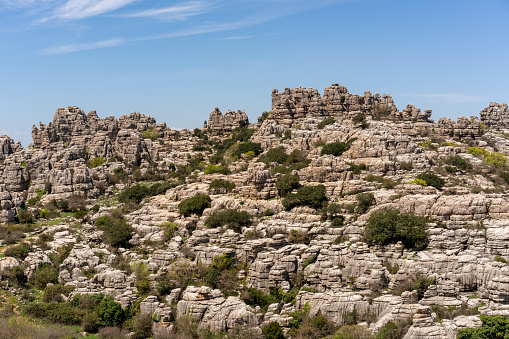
(252, 20)
(448, 97)
(64, 49)
(81, 9)
(16, 4)
(238, 37)
(177, 12)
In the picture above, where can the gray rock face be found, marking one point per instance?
(227, 122)
(296, 104)
(496, 115)
(214, 311)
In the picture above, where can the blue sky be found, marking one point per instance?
(177, 60)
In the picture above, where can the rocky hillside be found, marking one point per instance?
(334, 216)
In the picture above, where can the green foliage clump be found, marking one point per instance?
(221, 186)
(54, 293)
(448, 143)
(61, 313)
(287, 183)
(277, 154)
(212, 169)
(312, 196)
(386, 182)
(136, 193)
(364, 202)
(96, 162)
(429, 145)
(273, 331)
(231, 218)
(109, 312)
(388, 226)
(419, 182)
(25, 217)
(492, 327)
(118, 232)
(327, 121)
(310, 260)
(432, 180)
(496, 159)
(220, 267)
(245, 147)
(360, 119)
(239, 135)
(335, 148)
(357, 169)
(44, 275)
(150, 134)
(170, 229)
(195, 205)
(295, 161)
(498, 258)
(19, 251)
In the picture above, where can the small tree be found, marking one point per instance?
(432, 180)
(273, 331)
(287, 183)
(109, 312)
(388, 226)
(195, 205)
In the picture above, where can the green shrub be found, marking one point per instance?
(386, 182)
(504, 176)
(99, 161)
(364, 202)
(310, 260)
(492, 327)
(119, 233)
(45, 274)
(299, 237)
(220, 265)
(62, 313)
(194, 205)
(496, 159)
(150, 134)
(360, 119)
(273, 331)
(19, 251)
(221, 187)
(459, 162)
(211, 169)
(312, 196)
(432, 180)
(231, 218)
(256, 297)
(357, 169)
(109, 312)
(277, 154)
(335, 148)
(170, 229)
(25, 217)
(247, 146)
(327, 121)
(286, 184)
(80, 214)
(388, 226)
(498, 258)
(136, 193)
(54, 293)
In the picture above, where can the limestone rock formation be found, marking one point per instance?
(495, 115)
(227, 122)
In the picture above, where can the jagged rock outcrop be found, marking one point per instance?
(227, 122)
(495, 115)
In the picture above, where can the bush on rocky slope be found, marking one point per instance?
(388, 226)
(432, 180)
(232, 218)
(195, 205)
(311, 196)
